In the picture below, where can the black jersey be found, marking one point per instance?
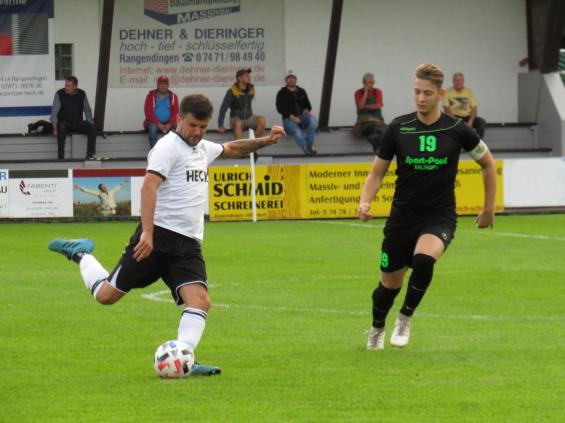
(427, 159)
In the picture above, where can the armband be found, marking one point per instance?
(479, 151)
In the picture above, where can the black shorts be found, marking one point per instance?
(404, 228)
(176, 259)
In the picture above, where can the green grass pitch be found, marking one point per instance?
(288, 329)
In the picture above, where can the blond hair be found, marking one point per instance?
(430, 72)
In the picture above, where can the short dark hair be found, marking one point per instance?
(72, 79)
(198, 105)
(100, 186)
(430, 72)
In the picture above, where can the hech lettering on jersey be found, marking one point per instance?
(196, 175)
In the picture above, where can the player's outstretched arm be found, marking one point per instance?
(148, 201)
(486, 217)
(372, 186)
(96, 193)
(238, 148)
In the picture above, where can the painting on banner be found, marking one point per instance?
(104, 192)
(27, 60)
(40, 193)
(101, 196)
(196, 43)
(4, 199)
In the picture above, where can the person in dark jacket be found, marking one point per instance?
(238, 99)
(69, 106)
(161, 111)
(294, 106)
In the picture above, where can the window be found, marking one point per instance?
(63, 61)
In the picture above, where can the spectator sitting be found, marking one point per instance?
(460, 102)
(294, 106)
(238, 99)
(69, 105)
(369, 103)
(105, 196)
(161, 111)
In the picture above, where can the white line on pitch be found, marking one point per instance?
(360, 225)
(477, 232)
(157, 296)
(517, 235)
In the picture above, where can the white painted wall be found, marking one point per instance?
(78, 22)
(486, 41)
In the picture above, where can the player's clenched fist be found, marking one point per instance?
(364, 214)
(485, 220)
(277, 132)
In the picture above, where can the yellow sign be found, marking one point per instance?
(323, 191)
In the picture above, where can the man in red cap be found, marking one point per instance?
(161, 111)
(238, 99)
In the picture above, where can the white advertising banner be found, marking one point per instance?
(27, 58)
(41, 193)
(534, 182)
(4, 196)
(196, 42)
(136, 183)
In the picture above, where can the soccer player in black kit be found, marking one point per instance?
(422, 221)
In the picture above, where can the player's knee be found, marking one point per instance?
(106, 298)
(199, 299)
(207, 305)
(238, 124)
(423, 265)
(261, 121)
(202, 302)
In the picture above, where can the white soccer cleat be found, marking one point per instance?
(376, 339)
(401, 333)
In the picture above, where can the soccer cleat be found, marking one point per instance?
(204, 370)
(376, 339)
(401, 333)
(70, 247)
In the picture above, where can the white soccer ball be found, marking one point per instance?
(173, 359)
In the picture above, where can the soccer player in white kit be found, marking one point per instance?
(166, 244)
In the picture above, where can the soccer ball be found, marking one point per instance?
(173, 359)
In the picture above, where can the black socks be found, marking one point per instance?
(383, 299)
(420, 279)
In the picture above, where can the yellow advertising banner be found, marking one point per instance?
(323, 191)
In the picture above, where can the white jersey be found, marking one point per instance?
(182, 197)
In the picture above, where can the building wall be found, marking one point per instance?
(485, 40)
